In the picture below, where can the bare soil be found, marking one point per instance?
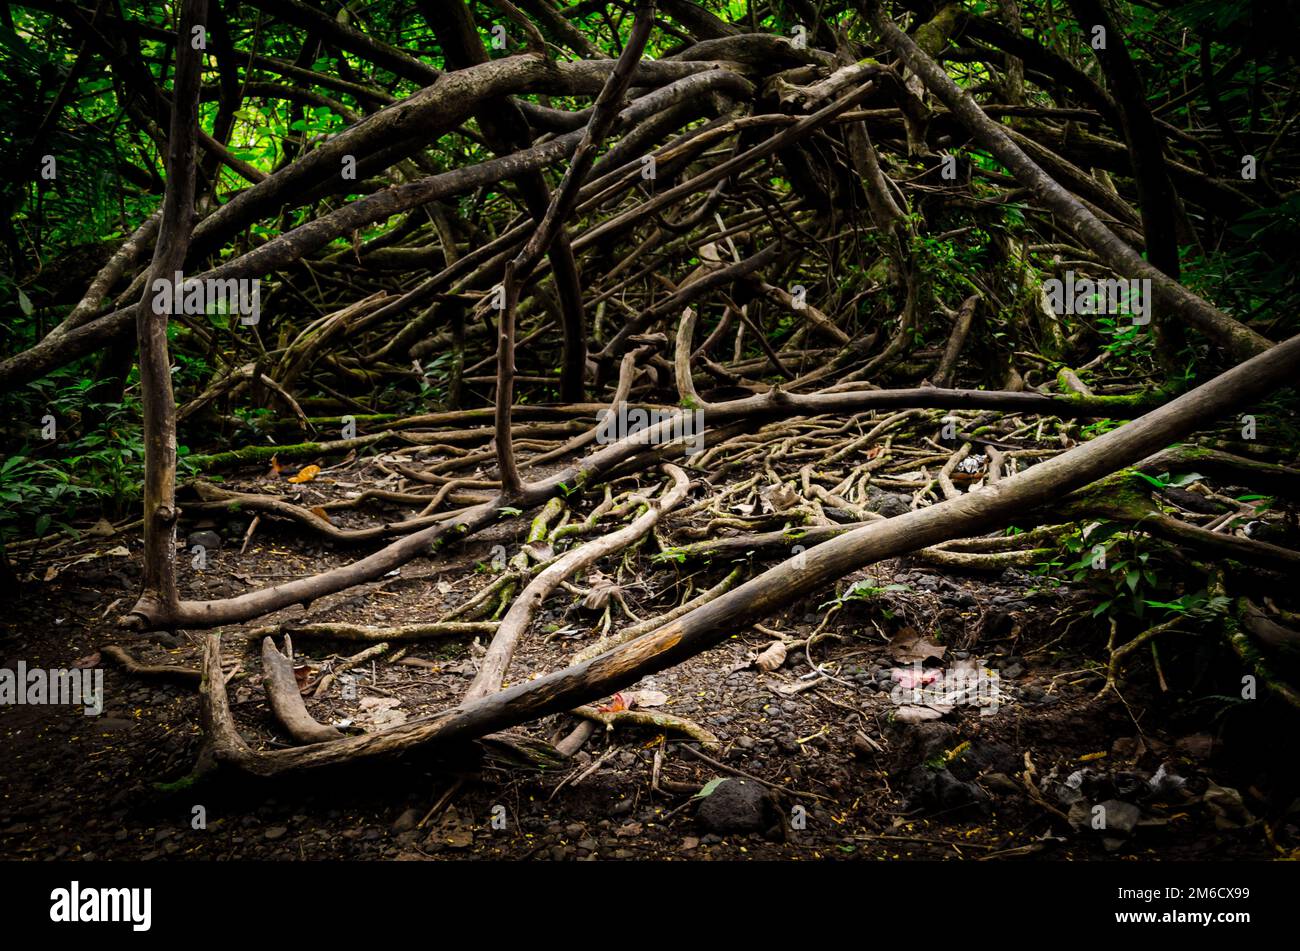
(843, 778)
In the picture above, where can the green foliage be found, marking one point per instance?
(1130, 345)
(948, 264)
(864, 591)
(669, 554)
(1199, 606)
(1099, 427)
(1165, 480)
(100, 470)
(1121, 569)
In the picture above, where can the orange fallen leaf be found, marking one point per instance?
(305, 474)
(615, 705)
(276, 468)
(320, 512)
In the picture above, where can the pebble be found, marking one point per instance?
(209, 540)
(406, 821)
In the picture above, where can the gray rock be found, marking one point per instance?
(113, 723)
(208, 539)
(1193, 501)
(940, 792)
(888, 504)
(406, 821)
(1121, 817)
(737, 805)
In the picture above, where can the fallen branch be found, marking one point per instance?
(659, 721)
(286, 700)
(186, 676)
(775, 588)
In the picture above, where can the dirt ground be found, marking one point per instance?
(816, 764)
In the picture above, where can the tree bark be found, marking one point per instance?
(159, 580)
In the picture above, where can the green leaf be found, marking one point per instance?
(710, 787)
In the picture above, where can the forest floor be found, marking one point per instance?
(964, 785)
(874, 298)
